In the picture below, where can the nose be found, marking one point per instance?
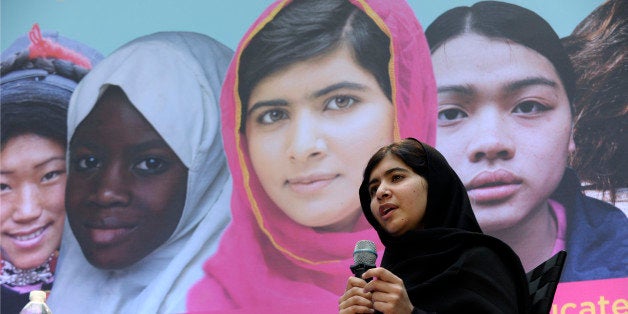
(491, 140)
(306, 142)
(28, 205)
(112, 187)
(383, 192)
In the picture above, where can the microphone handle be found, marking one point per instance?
(359, 269)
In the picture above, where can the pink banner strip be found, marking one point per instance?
(608, 296)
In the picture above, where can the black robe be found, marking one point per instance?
(450, 266)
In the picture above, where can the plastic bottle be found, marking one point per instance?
(37, 304)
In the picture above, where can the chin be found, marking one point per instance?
(314, 223)
(29, 263)
(492, 226)
(395, 234)
(107, 261)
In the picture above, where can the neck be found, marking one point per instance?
(532, 238)
(346, 224)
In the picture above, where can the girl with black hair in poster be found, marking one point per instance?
(315, 88)
(506, 90)
(39, 73)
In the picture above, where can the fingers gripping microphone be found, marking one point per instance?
(364, 256)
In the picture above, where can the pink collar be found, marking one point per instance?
(559, 213)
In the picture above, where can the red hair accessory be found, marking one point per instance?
(45, 48)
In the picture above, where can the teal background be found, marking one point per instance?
(106, 25)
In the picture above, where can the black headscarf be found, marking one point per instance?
(35, 91)
(450, 266)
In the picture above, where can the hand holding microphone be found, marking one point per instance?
(387, 294)
(355, 299)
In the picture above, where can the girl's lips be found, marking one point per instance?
(493, 194)
(385, 209)
(311, 183)
(108, 236)
(109, 230)
(28, 239)
(493, 186)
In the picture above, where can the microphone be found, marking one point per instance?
(364, 256)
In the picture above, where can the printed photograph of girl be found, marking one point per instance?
(39, 73)
(506, 91)
(315, 88)
(148, 188)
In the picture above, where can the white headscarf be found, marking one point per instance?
(174, 80)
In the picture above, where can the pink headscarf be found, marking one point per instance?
(266, 262)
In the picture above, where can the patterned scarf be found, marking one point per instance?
(16, 277)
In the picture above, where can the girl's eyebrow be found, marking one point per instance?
(509, 87)
(267, 103)
(458, 89)
(51, 159)
(529, 81)
(146, 145)
(150, 144)
(76, 143)
(324, 91)
(387, 172)
(337, 86)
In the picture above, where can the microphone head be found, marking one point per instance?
(365, 253)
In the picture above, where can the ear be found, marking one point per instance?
(572, 143)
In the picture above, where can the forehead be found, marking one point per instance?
(476, 58)
(312, 74)
(114, 116)
(26, 141)
(114, 106)
(28, 149)
(115, 125)
(387, 165)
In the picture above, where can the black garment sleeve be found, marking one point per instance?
(479, 282)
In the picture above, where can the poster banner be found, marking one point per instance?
(206, 156)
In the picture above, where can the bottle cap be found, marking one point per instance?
(37, 295)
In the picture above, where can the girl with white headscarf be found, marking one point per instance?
(120, 257)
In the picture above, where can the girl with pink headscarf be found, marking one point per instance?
(315, 88)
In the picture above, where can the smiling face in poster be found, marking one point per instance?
(505, 123)
(306, 125)
(126, 187)
(32, 195)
